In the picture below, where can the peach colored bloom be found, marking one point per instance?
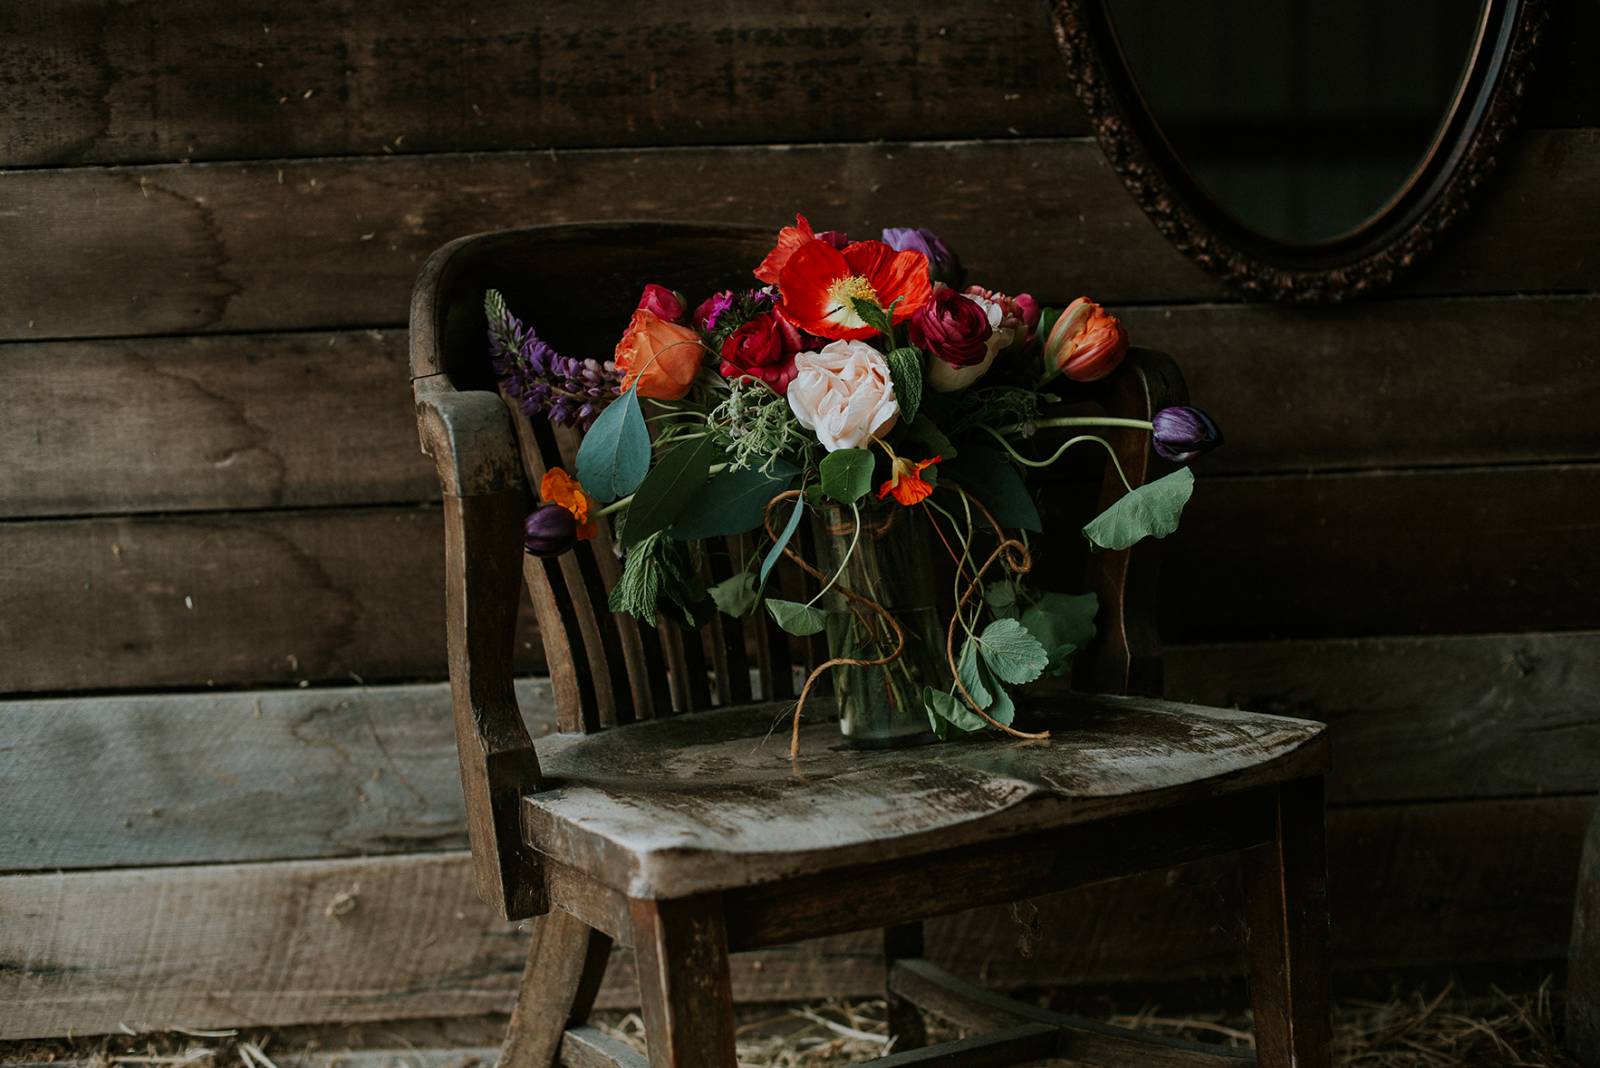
(844, 394)
(661, 357)
(1086, 343)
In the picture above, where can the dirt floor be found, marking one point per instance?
(1439, 1025)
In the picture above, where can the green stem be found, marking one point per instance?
(1069, 443)
(855, 537)
(1075, 420)
(619, 505)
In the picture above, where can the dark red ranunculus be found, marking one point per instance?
(952, 328)
(762, 348)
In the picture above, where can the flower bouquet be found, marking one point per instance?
(864, 384)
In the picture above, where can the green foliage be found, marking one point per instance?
(989, 476)
(872, 313)
(667, 490)
(946, 711)
(1063, 624)
(732, 503)
(735, 596)
(926, 431)
(1011, 652)
(755, 428)
(776, 552)
(905, 368)
(846, 475)
(796, 618)
(969, 669)
(659, 578)
(1151, 511)
(1001, 597)
(615, 454)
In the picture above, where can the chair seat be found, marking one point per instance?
(711, 801)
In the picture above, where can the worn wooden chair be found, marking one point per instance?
(691, 836)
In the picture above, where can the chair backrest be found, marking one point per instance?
(577, 285)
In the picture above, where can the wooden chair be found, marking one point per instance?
(691, 836)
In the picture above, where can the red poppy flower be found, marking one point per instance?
(790, 238)
(906, 481)
(819, 281)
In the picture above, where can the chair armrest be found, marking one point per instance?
(486, 498)
(1126, 655)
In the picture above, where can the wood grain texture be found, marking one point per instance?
(320, 77)
(1422, 718)
(186, 424)
(214, 778)
(1583, 960)
(278, 597)
(209, 247)
(1410, 719)
(243, 944)
(367, 584)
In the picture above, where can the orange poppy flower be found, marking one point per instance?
(790, 238)
(559, 488)
(906, 481)
(818, 282)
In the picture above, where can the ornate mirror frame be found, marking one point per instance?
(1374, 254)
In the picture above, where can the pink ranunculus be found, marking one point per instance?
(844, 394)
(663, 303)
(762, 348)
(1030, 311)
(1021, 312)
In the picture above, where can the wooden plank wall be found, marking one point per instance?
(225, 765)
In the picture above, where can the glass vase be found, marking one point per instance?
(891, 563)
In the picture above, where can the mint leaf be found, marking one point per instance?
(872, 313)
(1151, 511)
(944, 709)
(615, 454)
(796, 618)
(905, 368)
(735, 596)
(667, 490)
(1014, 655)
(846, 475)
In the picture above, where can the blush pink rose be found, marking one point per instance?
(844, 394)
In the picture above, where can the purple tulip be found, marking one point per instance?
(550, 530)
(1180, 434)
(943, 265)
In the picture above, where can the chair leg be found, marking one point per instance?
(903, 942)
(566, 962)
(1286, 902)
(680, 949)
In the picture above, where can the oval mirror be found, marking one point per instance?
(1300, 149)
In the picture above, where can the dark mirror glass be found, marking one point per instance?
(1302, 119)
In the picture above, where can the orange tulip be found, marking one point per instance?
(662, 358)
(1086, 343)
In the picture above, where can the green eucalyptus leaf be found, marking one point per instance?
(732, 502)
(776, 552)
(1013, 654)
(796, 618)
(735, 596)
(846, 474)
(667, 490)
(946, 711)
(905, 368)
(615, 453)
(1151, 511)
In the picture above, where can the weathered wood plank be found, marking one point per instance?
(199, 423)
(174, 80)
(190, 778)
(280, 597)
(270, 597)
(1439, 717)
(227, 238)
(187, 424)
(256, 944)
(1418, 718)
(1418, 552)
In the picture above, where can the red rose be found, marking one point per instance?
(952, 328)
(762, 348)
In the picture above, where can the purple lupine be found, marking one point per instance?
(566, 391)
(1182, 433)
(943, 264)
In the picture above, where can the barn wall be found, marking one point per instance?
(228, 784)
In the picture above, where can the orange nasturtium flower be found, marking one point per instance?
(558, 487)
(906, 481)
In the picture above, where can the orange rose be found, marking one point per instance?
(661, 357)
